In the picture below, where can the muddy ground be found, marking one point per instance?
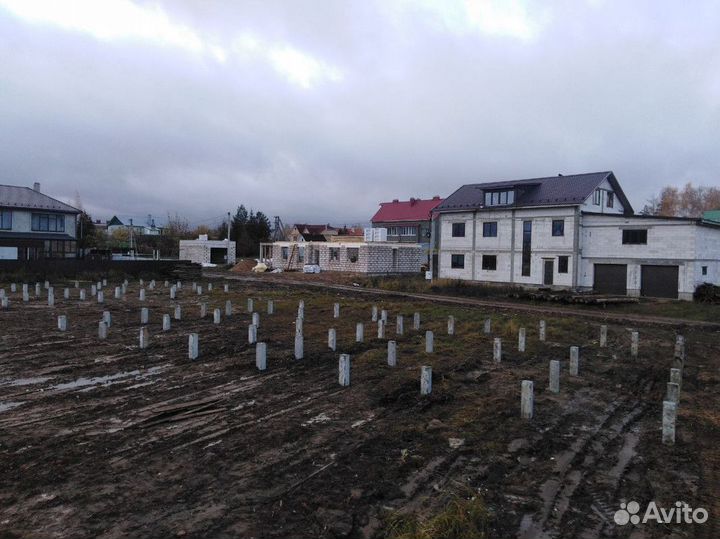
(104, 439)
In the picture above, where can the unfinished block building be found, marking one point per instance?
(370, 257)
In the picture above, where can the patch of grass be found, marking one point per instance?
(453, 287)
(462, 518)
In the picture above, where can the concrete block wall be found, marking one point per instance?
(544, 245)
(199, 251)
(371, 257)
(380, 258)
(707, 254)
(673, 242)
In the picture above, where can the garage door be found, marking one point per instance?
(659, 281)
(610, 279)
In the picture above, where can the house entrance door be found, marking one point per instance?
(549, 266)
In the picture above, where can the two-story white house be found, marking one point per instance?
(34, 225)
(577, 232)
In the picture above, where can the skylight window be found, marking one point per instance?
(499, 198)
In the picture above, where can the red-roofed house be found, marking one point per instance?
(407, 221)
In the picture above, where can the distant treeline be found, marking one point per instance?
(247, 229)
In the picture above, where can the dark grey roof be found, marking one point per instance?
(13, 196)
(568, 190)
(313, 237)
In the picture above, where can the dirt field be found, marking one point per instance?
(104, 439)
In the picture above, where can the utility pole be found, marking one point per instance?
(227, 253)
(131, 239)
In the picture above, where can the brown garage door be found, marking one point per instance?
(610, 279)
(659, 281)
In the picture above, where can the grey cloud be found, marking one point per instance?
(138, 128)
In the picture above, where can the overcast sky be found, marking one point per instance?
(318, 110)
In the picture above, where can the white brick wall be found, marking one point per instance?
(371, 257)
(544, 245)
(199, 251)
(669, 242)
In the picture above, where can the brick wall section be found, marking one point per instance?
(199, 251)
(371, 257)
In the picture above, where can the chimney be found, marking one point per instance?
(36, 187)
(395, 200)
(436, 197)
(412, 201)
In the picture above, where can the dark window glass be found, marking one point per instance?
(489, 262)
(490, 230)
(499, 198)
(558, 227)
(704, 270)
(458, 230)
(562, 264)
(44, 222)
(634, 237)
(6, 219)
(352, 254)
(284, 253)
(526, 244)
(610, 199)
(457, 261)
(334, 253)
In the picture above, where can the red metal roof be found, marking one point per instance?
(414, 209)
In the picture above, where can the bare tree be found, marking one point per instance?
(690, 201)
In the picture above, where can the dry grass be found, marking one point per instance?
(462, 518)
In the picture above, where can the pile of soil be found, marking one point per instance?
(244, 265)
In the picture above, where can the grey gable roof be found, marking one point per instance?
(14, 196)
(571, 190)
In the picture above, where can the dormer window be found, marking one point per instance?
(610, 199)
(499, 198)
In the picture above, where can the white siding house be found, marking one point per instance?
(34, 225)
(576, 232)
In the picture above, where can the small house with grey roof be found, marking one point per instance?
(34, 225)
(577, 232)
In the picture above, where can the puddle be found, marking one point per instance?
(88, 384)
(25, 381)
(361, 422)
(243, 405)
(320, 418)
(9, 405)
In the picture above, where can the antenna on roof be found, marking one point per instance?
(559, 174)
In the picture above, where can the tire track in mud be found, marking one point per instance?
(578, 468)
(216, 446)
